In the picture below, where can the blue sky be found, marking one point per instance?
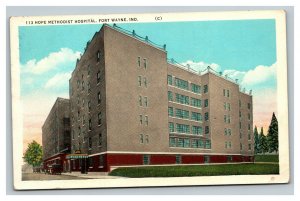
(243, 49)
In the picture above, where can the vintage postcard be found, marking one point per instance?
(162, 99)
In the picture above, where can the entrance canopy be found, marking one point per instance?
(77, 156)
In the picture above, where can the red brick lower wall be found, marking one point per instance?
(155, 159)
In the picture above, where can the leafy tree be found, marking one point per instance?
(256, 141)
(263, 142)
(273, 135)
(34, 154)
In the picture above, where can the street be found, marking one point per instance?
(42, 176)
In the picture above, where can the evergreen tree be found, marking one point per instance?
(273, 135)
(256, 141)
(263, 142)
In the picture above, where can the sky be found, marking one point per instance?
(243, 49)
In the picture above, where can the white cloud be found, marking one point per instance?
(61, 79)
(55, 59)
(259, 75)
(200, 66)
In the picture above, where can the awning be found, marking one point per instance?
(77, 156)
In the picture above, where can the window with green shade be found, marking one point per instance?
(171, 127)
(206, 116)
(146, 159)
(170, 112)
(182, 99)
(178, 159)
(207, 144)
(186, 142)
(180, 142)
(183, 114)
(195, 102)
(172, 142)
(182, 128)
(181, 84)
(194, 143)
(195, 88)
(200, 144)
(206, 103)
(170, 80)
(206, 129)
(170, 96)
(225, 131)
(197, 130)
(196, 116)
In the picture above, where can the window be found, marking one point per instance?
(146, 139)
(78, 100)
(225, 106)
(206, 159)
(146, 120)
(146, 159)
(90, 124)
(240, 125)
(229, 145)
(196, 116)
(178, 159)
(145, 63)
(101, 160)
(141, 138)
(182, 84)
(182, 128)
(140, 80)
(240, 103)
(78, 115)
(170, 96)
(197, 130)
(200, 144)
(89, 87)
(241, 135)
(98, 56)
(182, 99)
(186, 142)
(194, 143)
(228, 93)
(205, 89)
(78, 84)
(99, 97)
(139, 61)
(206, 103)
(195, 88)
(170, 112)
(249, 106)
(83, 119)
(206, 129)
(170, 80)
(207, 144)
(100, 139)
(82, 102)
(241, 146)
(172, 142)
(141, 119)
(240, 114)
(206, 116)
(224, 92)
(98, 77)
(140, 101)
(228, 106)
(145, 82)
(183, 114)
(249, 135)
(171, 127)
(229, 131)
(79, 146)
(229, 158)
(195, 102)
(89, 105)
(249, 117)
(228, 119)
(248, 127)
(89, 70)
(90, 162)
(146, 101)
(82, 85)
(99, 119)
(73, 134)
(90, 143)
(249, 147)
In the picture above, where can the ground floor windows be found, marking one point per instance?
(146, 159)
(178, 159)
(206, 159)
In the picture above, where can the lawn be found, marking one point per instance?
(196, 170)
(266, 158)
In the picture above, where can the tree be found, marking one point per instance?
(273, 135)
(34, 154)
(263, 142)
(256, 141)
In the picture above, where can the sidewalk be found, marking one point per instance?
(91, 175)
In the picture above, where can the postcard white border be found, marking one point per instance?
(282, 100)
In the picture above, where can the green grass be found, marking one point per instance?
(196, 170)
(266, 158)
